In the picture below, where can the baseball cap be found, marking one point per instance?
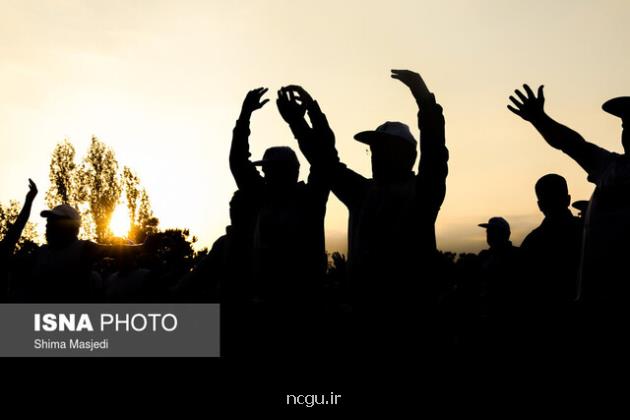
(63, 211)
(496, 223)
(390, 130)
(278, 154)
(619, 107)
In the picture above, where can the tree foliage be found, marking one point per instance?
(101, 182)
(64, 176)
(96, 187)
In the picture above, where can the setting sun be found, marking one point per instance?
(119, 223)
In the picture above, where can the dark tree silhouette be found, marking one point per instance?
(64, 177)
(99, 176)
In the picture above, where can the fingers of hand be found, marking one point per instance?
(520, 95)
(516, 102)
(514, 110)
(528, 90)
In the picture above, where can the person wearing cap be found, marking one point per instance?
(501, 282)
(61, 270)
(12, 237)
(288, 257)
(602, 277)
(391, 235)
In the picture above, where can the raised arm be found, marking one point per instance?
(245, 173)
(433, 166)
(292, 103)
(530, 107)
(7, 246)
(317, 143)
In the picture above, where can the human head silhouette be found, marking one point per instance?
(620, 107)
(62, 225)
(393, 150)
(280, 166)
(553, 194)
(497, 232)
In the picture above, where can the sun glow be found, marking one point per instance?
(119, 223)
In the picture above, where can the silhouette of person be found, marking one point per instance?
(552, 250)
(604, 269)
(62, 269)
(499, 261)
(12, 237)
(225, 273)
(552, 258)
(289, 258)
(501, 282)
(391, 229)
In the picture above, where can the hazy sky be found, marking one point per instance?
(162, 83)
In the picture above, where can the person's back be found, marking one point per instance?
(552, 250)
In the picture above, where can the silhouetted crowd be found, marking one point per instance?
(396, 293)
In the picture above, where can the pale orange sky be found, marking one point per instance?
(162, 83)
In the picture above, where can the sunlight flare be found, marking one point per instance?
(119, 223)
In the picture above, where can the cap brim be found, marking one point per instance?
(49, 214)
(367, 137)
(619, 107)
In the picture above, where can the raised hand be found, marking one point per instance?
(253, 101)
(414, 82)
(530, 107)
(32, 191)
(292, 102)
